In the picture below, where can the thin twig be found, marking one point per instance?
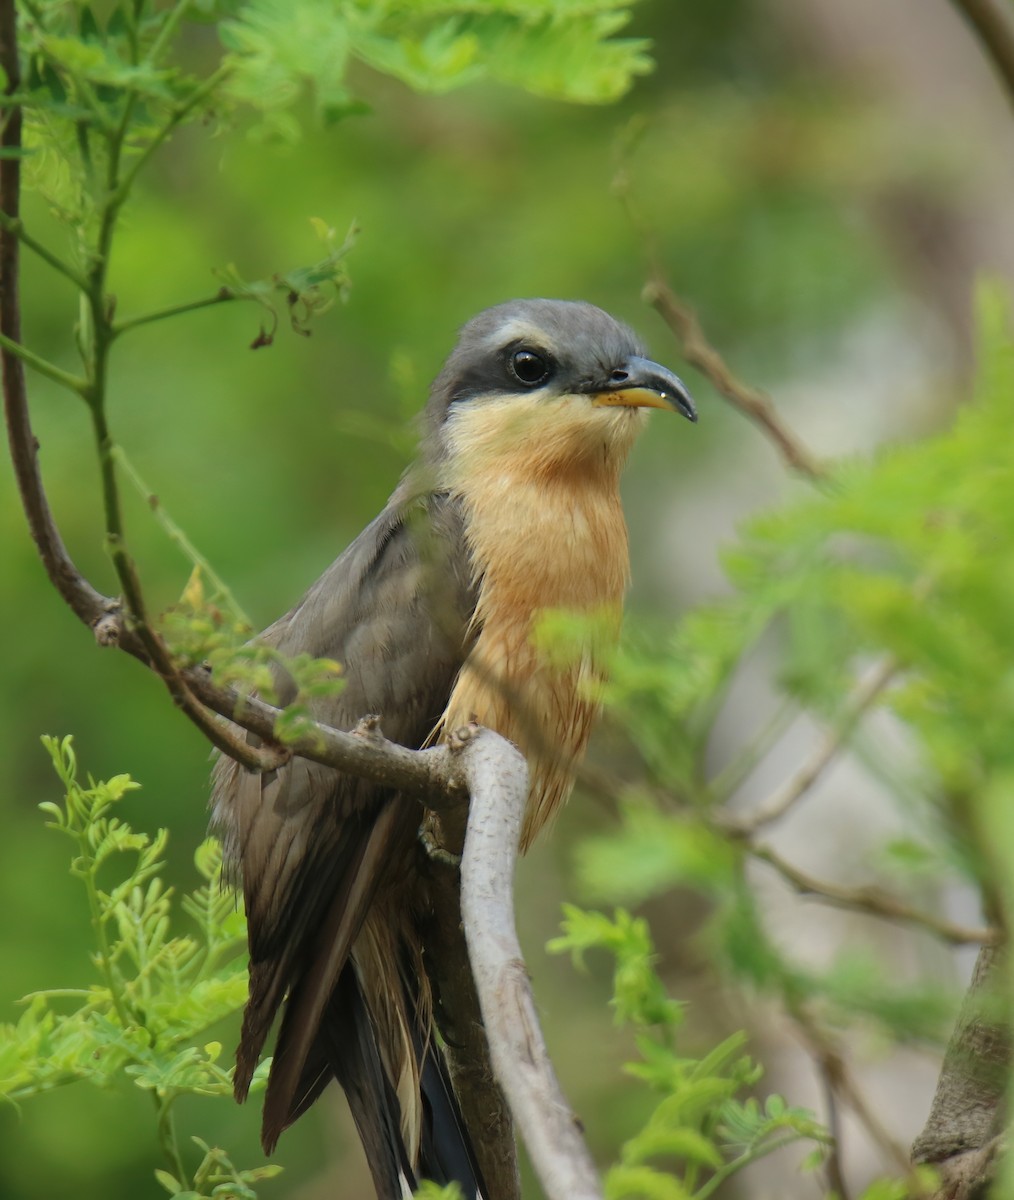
(222, 736)
(73, 383)
(730, 778)
(734, 1165)
(97, 357)
(834, 1167)
(222, 296)
(197, 97)
(424, 774)
(176, 535)
(694, 345)
(700, 353)
(168, 30)
(167, 1137)
(159, 657)
(787, 797)
(16, 227)
(993, 21)
(837, 1076)
(873, 902)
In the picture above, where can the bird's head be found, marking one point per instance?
(548, 387)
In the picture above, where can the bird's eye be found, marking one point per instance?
(528, 368)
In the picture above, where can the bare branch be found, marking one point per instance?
(873, 902)
(222, 736)
(427, 775)
(836, 1074)
(498, 783)
(968, 1110)
(834, 1166)
(700, 353)
(784, 800)
(684, 324)
(993, 21)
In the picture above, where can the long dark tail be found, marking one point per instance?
(347, 1049)
(446, 1153)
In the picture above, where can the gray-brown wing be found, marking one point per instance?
(394, 611)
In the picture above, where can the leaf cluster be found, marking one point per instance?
(157, 993)
(209, 629)
(277, 51)
(85, 69)
(103, 89)
(705, 1125)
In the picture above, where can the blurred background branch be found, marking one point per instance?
(699, 352)
(993, 21)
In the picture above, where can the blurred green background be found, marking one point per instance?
(805, 198)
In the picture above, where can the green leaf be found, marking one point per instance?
(642, 1183)
(88, 27)
(651, 853)
(924, 1182)
(428, 1190)
(280, 49)
(684, 1142)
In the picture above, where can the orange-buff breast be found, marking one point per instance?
(546, 531)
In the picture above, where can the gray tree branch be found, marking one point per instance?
(962, 1134)
(498, 779)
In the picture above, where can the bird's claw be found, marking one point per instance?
(368, 728)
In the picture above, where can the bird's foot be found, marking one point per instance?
(368, 728)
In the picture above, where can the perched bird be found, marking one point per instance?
(512, 508)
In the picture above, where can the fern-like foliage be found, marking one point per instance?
(278, 49)
(143, 1022)
(705, 1126)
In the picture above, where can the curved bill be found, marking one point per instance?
(641, 383)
